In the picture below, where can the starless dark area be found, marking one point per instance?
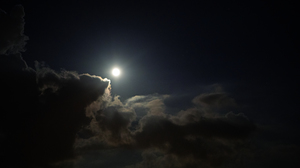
(203, 84)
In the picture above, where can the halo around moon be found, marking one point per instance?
(116, 72)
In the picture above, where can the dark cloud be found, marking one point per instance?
(113, 123)
(190, 138)
(154, 158)
(43, 111)
(208, 140)
(12, 39)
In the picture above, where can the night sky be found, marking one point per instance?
(203, 84)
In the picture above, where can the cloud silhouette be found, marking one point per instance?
(12, 38)
(43, 112)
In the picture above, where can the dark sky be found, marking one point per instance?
(202, 84)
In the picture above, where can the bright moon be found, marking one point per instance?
(116, 72)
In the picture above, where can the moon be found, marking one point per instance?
(116, 72)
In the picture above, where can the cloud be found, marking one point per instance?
(210, 140)
(154, 158)
(58, 116)
(12, 38)
(147, 104)
(189, 137)
(52, 118)
(217, 100)
(44, 110)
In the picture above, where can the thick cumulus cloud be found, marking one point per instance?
(43, 111)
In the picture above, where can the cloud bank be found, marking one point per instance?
(49, 118)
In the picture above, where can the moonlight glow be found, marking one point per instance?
(116, 72)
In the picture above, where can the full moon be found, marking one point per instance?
(116, 72)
